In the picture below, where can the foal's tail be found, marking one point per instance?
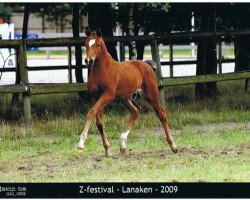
(152, 64)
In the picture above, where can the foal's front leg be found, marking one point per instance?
(99, 105)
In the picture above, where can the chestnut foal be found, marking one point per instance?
(109, 79)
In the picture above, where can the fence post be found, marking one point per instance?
(156, 59)
(171, 70)
(122, 51)
(220, 57)
(22, 61)
(69, 64)
(246, 85)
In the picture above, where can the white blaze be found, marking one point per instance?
(91, 42)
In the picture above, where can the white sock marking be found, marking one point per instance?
(123, 138)
(81, 142)
(84, 134)
(91, 42)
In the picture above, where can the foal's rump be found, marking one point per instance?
(148, 72)
(149, 84)
(146, 68)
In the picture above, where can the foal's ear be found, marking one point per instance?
(98, 32)
(87, 31)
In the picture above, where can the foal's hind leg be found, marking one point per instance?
(151, 96)
(99, 124)
(134, 109)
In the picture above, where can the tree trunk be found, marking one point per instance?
(211, 58)
(61, 24)
(15, 96)
(132, 44)
(43, 23)
(211, 67)
(200, 88)
(78, 48)
(201, 68)
(140, 46)
(56, 23)
(26, 21)
(206, 57)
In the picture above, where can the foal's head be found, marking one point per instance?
(93, 45)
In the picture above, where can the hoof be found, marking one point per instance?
(122, 150)
(174, 148)
(107, 154)
(80, 149)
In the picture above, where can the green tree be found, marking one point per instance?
(5, 11)
(165, 17)
(53, 12)
(155, 17)
(104, 16)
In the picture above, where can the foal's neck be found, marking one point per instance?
(104, 57)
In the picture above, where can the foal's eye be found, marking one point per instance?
(98, 45)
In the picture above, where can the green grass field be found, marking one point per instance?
(213, 139)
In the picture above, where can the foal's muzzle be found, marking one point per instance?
(89, 62)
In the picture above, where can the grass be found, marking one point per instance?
(213, 139)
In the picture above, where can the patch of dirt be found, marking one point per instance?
(25, 167)
(3, 167)
(160, 154)
(210, 128)
(32, 165)
(203, 129)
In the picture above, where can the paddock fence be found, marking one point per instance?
(28, 89)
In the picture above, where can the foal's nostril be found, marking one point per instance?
(91, 61)
(86, 61)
